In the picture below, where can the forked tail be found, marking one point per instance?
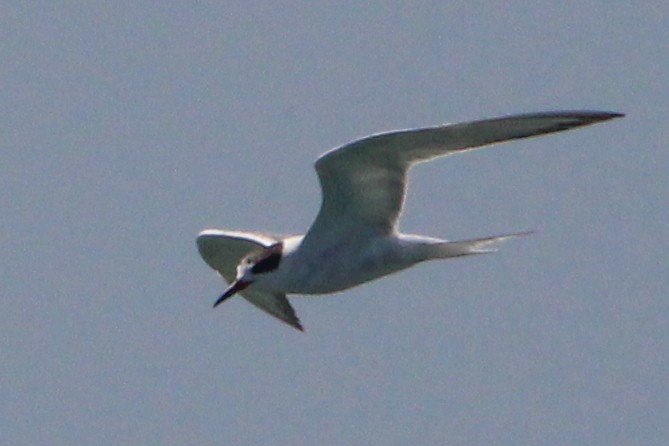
(459, 248)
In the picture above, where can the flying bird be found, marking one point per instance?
(355, 237)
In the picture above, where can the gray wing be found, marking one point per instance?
(223, 250)
(363, 183)
(275, 304)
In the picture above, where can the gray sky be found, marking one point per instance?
(128, 127)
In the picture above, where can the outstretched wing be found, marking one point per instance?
(363, 183)
(275, 304)
(223, 250)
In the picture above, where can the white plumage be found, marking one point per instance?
(354, 238)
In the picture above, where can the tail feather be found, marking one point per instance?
(468, 247)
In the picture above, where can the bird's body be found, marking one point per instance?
(355, 237)
(339, 266)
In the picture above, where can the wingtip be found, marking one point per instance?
(296, 324)
(592, 117)
(584, 117)
(611, 115)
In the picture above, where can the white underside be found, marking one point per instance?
(352, 262)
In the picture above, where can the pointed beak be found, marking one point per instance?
(236, 286)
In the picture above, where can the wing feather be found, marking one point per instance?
(223, 250)
(363, 183)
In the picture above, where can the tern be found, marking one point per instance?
(355, 237)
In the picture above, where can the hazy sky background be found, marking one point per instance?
(127, 127)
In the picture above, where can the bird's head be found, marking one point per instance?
(253, 266)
